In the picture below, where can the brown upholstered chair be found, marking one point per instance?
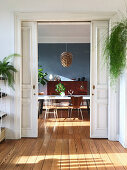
(75, 104)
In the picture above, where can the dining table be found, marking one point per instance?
(41, 99)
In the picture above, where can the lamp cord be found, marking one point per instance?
(66, 47)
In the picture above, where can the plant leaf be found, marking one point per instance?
(10, 57)
(115, 50)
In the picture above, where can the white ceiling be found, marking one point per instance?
(64, 32)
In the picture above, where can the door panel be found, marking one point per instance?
(29, 119)
(99, 79)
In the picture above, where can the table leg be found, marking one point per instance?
(40, 107)
(88, 108)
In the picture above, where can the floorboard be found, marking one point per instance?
(62, 144)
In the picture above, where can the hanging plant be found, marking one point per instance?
(115, 49)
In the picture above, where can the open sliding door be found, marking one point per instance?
(29, 117)
(99, 82)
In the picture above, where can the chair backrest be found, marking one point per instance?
(76, 101)
(49, 103)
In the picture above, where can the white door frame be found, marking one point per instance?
(64, 17)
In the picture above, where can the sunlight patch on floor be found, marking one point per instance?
(68, 123)
(90, 159)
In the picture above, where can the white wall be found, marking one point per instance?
(8, 7)
(64, 33)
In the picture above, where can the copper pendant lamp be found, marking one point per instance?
(66, 58)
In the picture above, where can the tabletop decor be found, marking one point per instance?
(60, 88)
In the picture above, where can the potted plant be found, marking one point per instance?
(60, 88)
(7, 70)
(42, 76)
(116, 49)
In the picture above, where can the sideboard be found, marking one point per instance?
(79, 87)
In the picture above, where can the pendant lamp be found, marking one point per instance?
(66, 58)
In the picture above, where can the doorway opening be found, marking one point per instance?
(55, 39)
(97, 75)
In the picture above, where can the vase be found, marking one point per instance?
(62, 94)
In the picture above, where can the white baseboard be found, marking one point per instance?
(123, 143)
(117, 137)
(114, 138)
(12, 134)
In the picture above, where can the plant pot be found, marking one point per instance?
(62, 94)
(2, 78)
(2, 134)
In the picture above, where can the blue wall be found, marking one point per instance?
(49, 58)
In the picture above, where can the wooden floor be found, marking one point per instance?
(63, 144)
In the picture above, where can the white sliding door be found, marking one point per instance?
(99, 82)
(29, 117)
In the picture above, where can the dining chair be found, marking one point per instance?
(75, 104)
(62, 106)
(50, 107)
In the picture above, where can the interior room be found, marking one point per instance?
(63, 84)
(64, 70)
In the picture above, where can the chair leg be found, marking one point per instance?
(45, 114)
(54, 113)
(68, 112)
(78, 113)
(71, 113)
(61, 114)
(81, 114)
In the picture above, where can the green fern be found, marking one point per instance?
(115, 49)
(7, 70)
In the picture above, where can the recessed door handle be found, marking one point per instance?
(92, 94)
(33, 86)
(93, 86)
(34, 94)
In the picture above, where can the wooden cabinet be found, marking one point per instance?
(79, 87)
